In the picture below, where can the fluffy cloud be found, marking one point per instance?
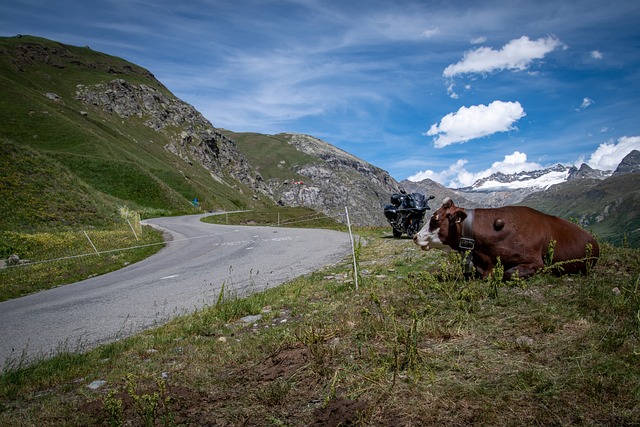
(443, 177)
(475, 122)
(596, 54)
(431, 32)
(518, 54)
(609, 154)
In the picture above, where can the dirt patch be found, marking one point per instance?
(284, 364)
(340, 412)
(173, 403)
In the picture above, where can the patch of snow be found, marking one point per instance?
(545, 181)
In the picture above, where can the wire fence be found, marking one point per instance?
(23, 249)
(29, 248)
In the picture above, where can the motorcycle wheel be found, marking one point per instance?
(413, 228)
(396, 233)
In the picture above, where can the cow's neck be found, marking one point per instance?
(466, 239)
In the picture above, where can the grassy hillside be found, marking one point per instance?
(271, 155)
(38, 192)
(119, 157)
(607, 208)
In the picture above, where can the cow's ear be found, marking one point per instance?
(459, 216)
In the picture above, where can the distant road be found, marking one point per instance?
(185, 275)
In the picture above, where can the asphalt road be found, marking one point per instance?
(185, 275)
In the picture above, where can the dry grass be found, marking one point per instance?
(416, 344)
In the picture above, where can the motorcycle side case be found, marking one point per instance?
(390, 212)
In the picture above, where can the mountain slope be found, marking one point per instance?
(608, 208)
(118, 129)
(31, 199)
(301, 170)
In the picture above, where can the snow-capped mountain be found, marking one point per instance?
(539, 179)
(501, 189)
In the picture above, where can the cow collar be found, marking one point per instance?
(466, 240)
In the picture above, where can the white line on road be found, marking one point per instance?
(244, 242)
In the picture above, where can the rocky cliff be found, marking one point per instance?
(192, 137)
(301, 170)
(333, 180)
(629, 164)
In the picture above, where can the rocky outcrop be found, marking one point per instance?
(629, 164)
(335, 181)
(586, 172)
(192, 137)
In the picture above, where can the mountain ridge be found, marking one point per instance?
(118, 129)
(319, 175)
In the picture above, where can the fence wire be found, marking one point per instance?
(36, 248)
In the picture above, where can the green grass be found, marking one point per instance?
(37, 192)
(120, 158)
(63, 257)
(416, 344)
(608, 209)
(278, 216)
(272, 155)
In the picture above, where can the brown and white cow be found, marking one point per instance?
(518, 235)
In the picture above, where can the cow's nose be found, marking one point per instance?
(415, 238)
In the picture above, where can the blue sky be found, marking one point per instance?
(447, 90)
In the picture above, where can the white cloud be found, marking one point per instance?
(585, 103)
(512, 163)
(478, 40)
(518, 54)
(475, 122)
(609, 154)
(596, 54)
(451, 90)
(456, 176)
(428, 33)
(442, 177)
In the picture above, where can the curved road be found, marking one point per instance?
(185, 275)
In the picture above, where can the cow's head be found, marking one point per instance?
(444, 228)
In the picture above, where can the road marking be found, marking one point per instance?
(244, 242)
(169, 277)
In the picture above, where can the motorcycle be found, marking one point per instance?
(406, 212)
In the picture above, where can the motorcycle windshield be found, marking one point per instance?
(420, 201)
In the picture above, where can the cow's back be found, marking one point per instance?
(528, 233)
